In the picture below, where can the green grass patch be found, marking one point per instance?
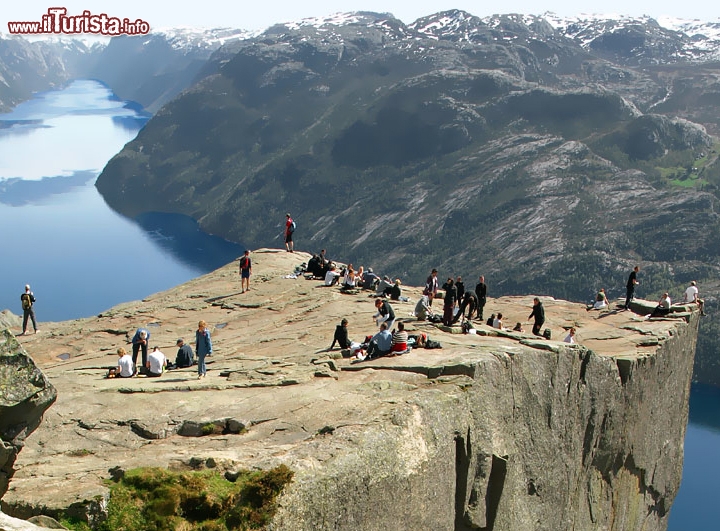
(156, 499)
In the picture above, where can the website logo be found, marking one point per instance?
(57, 21)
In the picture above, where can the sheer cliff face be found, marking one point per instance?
(561, 439)
(497, 430)
(25, 394)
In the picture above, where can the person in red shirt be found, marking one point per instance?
(289, 229)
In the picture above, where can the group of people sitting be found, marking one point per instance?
(156, 363)
(383, 343)
(348, 279)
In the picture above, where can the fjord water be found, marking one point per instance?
(696, 504)
(82, 258)
(59, 236)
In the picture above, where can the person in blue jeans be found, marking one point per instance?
(203, 347)
(140, 343)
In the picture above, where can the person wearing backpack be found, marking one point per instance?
(245, 271)
(27, 300)
(289, 230)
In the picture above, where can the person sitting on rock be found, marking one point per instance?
(518, 327)
(422, 308)
(370, 279)
(692, 296)
(490, 320)
(185, 355)
(341, 336)
(383, 287)
(601, 301)
(663, 307)
(570, 338)
(156, 363)
(349, 280)
(380, 344)
(332, 275)
(498, 322)
(125, 367)
(399, 339)
(313, 267)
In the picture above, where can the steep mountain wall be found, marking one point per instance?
(561, 439)
(25, 394)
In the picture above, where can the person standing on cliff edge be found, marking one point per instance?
(27, 299)
(481, 292)
(245, 271)
(538, 312)
(631, 283)
(289, 230)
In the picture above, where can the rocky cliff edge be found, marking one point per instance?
(496, 430)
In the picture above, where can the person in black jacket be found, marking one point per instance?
(185, 356)
(538, 312)
(449, 302)
(385, 313)
(631, 283)
(469, 301)
(341, 335)
(460, 287)
(481, 292)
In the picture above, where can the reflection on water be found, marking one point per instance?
(695, 505)
(18, 192)
(79, 256)
(181, 236)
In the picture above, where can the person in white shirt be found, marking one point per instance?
(125, 367)
(570, 338)
(663, 307)
(497, 322)
(692, 296)
(156, 362)
(331, 277)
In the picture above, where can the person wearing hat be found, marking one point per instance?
(185, 356)
(27, 299)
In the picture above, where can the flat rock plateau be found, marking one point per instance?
(495, 430)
